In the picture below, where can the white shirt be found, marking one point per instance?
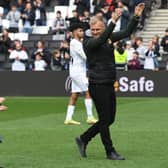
(117, 26)
(17, 65)
(78, 58)
(149, 62)
(130, 54)
(40, 65)
(37, 14)
(141, 50)
(13, 17)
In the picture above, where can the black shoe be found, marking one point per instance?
(81, 146)
(115, 156)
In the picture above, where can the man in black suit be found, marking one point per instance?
(102, 75)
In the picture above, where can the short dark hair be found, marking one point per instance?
(75, 26)
(59, 12)
(136, 52)
(139, 38)
(39, 53)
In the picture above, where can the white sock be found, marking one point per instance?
(88, 105)
(70, 111)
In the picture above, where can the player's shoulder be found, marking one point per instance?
(75, 43)
(72, 42)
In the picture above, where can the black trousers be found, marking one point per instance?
(104, 98)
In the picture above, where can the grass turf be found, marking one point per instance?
(34, 135)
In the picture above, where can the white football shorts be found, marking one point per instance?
(79, 83)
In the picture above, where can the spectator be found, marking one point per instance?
(39, 63)
(73, 19)
(20, 5)
(5, 43)
(111, 4)
(18, 57)
(40, 48)
(13, 16)
(106, 11)
(82, 5)
(134, 63)
(125, 15)
(149, 55)
(155, 41)
(66, 61)
(56, 61)
(101, 15)
(130, 4)
(59, 24)
(145, 13)
(148, 6)
(28, 17)
(65, 57)
(120, 54)
(164, 41)
(110, 19)
(28, 1)
(130, 50)
(1, 15)
(6, 5)
(85, 20)
(40, 13)
(97, 5)
(141, 50)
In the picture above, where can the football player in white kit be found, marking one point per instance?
(78, 75)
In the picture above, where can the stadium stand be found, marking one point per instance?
(5, 23)
(153, 17)
(40, 30)
(21, 36)
(45, 37)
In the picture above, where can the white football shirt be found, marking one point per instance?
(78, 58)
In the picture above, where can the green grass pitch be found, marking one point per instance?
(34, 135)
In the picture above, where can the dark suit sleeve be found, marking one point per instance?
(116, 36)
(96, 42)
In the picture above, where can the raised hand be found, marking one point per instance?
(116, 15)
(139, 9)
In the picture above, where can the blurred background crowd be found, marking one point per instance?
(35, 36)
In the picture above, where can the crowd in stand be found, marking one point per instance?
(29, 11)
(130, 54)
